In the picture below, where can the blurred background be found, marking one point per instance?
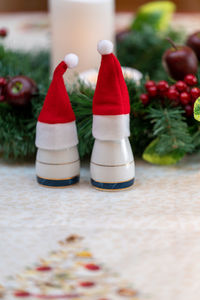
(121, 5)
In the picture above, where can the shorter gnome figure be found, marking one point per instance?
(112, 164)
(57, 161)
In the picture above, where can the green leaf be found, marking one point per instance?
(151, 156)
(197, 109)
(156, 14)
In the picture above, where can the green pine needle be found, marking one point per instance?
(170, 126)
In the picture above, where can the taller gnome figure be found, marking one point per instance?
(57, 161)
(112, 164)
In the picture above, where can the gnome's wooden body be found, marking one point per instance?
(57, 161)
(112, 164)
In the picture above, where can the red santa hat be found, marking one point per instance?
(111, 105)
(56, 127)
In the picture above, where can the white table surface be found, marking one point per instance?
(150, 234)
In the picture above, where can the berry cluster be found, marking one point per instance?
(182, 93)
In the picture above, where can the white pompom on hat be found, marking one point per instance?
(71, 60)
(105, 47)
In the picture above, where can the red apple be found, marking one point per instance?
(180, 61)
(193, 42)
(19, 90)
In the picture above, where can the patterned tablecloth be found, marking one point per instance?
(149, 234)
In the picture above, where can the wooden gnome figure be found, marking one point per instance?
(57, 161)
(112, 164)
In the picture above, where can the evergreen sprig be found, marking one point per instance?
(171, 129)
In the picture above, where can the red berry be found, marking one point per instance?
(92, 267)
(3, 32)
(173, 86)
(181, 86)
(87, 284)
(188, 89)
(188, 110)
(149, 83)
(162, 86)
(152, 91)
(43, 268)
(173, 94)
(22, 294)
(184, 98)
(144, 98)
(190, 79)
(194, 93)
(2, 81)
(163, 94)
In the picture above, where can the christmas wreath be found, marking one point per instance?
(163, 129)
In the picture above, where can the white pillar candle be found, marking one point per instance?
(77, 26)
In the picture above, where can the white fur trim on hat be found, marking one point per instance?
(111, 128)
(56, 136)
(71, 60)
(105, 47)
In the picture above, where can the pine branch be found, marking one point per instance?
(170, 127)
